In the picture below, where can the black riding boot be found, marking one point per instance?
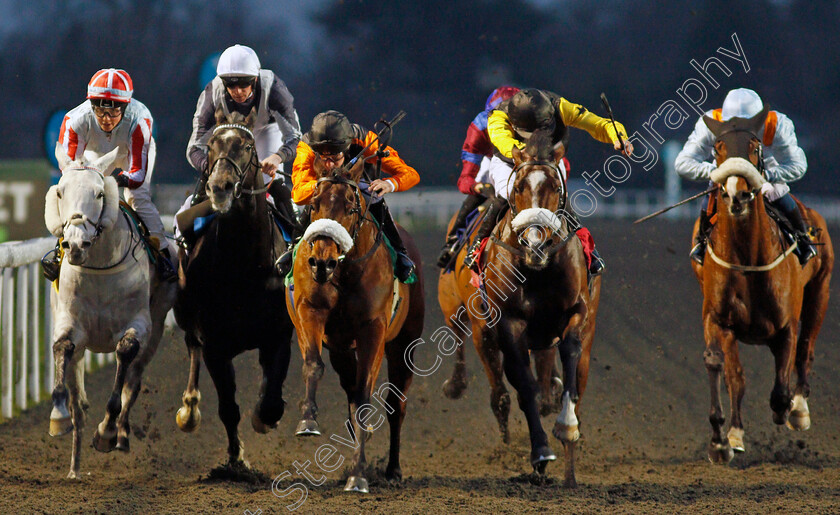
(405, 266)
(597, 264)
(200, 192)
(497, 209)
(284, 262)
(806, 249)
(282, 196)
(467, 207)
(166, 267)
(698, 251)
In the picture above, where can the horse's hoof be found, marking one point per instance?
(780, 418)
(566, 433)
(799, 418)
(720, 453)
(454, 389)
(72, 475)
(356, 484)
(259, 426)
(736, 439)
(104, 444)
(122, 444)
(188, 419)
(540, 458)
(570, 482)
(307, 428)
(61, 426)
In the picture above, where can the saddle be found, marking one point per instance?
(463, 234)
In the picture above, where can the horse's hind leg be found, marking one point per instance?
(455, 386)
(734, 376)
(813, 312)
(491, 358)
(131, 389)
(717, 339)
(399, 377)
(551, 389)
(274, 360)
(188, 417)
(221, 371)
(105, 437)
(783, 347)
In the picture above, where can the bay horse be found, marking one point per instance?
(754, 291)
(109, 297)
(344, 300)
(535, 292)
(230, 298)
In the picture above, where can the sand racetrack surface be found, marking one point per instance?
(644, 424)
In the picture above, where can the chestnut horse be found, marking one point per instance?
(755, 291)
(535, 292)
(343, 299)
(230, 297)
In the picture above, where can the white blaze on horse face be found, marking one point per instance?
(535, 179)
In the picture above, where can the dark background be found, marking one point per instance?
(437, 59)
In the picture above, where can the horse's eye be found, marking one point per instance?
(100, 195)
(58, 193)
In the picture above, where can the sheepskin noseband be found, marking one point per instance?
(331, 229)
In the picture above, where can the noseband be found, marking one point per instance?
(97, 226)
(253, 162)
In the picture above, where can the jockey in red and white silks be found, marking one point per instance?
(111, 118)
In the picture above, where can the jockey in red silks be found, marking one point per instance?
(111, 118)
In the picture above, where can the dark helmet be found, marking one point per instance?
(529, 110)
(331, 132)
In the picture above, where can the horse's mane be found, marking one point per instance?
(539, 145)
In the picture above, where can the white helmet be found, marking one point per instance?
(741, 102)
(238, 61)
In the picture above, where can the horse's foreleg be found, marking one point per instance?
(274, 361)
(310, 339)
(370, 347)
(60, 421)
(814, 303)
(717, 339)
(517, 366)
(550, 383)
(491, 358)
(188, 417)
(77, 412)
(734, 376)
(399, 377)
(224, 379)
(783, 347)
(105, 437)
(567, 425)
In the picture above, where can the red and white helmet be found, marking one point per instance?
(111, 84)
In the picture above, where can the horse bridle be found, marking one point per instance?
(760, 167)
(253, 162)
(97, 227)
(561, 190)
(335, 178)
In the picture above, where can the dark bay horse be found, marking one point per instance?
(535, 292)
(344, 300)
(230, 297)
(754, 291)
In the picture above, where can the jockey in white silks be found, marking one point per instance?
(111, 118)
(784, 161)
(241, 85)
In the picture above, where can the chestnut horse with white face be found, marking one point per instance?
(755, 291)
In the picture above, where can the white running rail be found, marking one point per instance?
(26, 355)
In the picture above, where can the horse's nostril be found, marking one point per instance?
(65, 245)
(228, 186)
(76, 216)
(332, 263)
(86, 244)
(312, 261)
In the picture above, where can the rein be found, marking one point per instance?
(745, 268)
(356, 209)
(241, 174)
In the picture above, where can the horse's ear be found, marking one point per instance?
(106, 163)
(111, 209)
(756, 123)
(52, 213)
(252, 116)
(715, 126)
(61, 156)
(220, 115)
(517, 155)
(559, 151)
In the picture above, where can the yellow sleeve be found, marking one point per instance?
(501, 133)
(575, 115)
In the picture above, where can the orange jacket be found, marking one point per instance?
(403, 177)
